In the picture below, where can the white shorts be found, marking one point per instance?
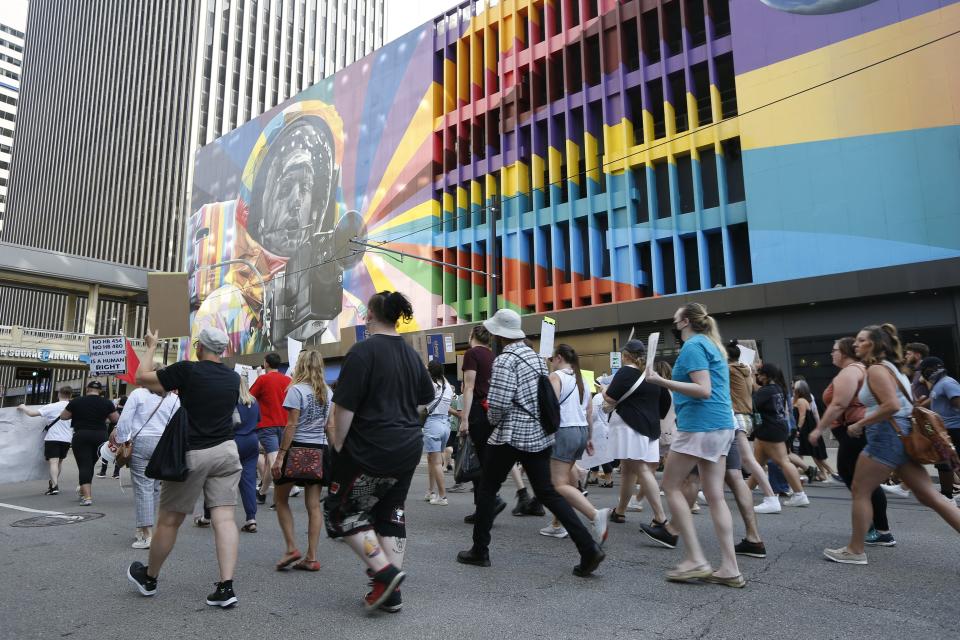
(706, 445)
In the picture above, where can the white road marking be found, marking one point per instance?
(52, 514)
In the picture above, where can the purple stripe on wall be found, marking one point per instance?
(763, 36)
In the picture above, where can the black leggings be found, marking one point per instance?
(86, 445)
(847, 454)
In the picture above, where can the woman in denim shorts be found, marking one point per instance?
(572, 439)
(886, 397)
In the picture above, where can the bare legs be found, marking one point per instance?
(281, 496)
(678, 467)
(561, 477)
(377, 552)
(227, 538)
(751, 466)
(435, 472)
(311, 500)
(54, 465)
(777, 451)
(632, 473)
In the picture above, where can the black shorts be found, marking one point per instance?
(358, 501)
(55, 449)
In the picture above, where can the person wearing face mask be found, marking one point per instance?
(705, 433)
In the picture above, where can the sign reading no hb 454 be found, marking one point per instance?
(108, 356)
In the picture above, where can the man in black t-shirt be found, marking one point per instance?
(209, 392)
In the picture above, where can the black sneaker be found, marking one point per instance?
(752, 549)
(498, 508)
(393, 604)
(224, 596)
(589, 563)
(470, 519)
(657, 531)
(52, 491)
(137, 574)
(474, 557)
(261, 498)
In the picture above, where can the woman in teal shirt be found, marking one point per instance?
(705, 432)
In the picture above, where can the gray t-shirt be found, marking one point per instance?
(313, 415)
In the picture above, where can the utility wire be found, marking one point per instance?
(380, 243)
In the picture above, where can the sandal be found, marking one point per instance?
(288, 559)
(619, 518)
(307, 565)
(249, 527)
(201, 522)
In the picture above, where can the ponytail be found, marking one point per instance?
(389, 307)
(886, 345)
(702, 322)
(570, 356)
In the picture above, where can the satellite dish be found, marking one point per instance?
(349, 227)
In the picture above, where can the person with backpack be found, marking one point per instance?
(520, 396)
(886, 395)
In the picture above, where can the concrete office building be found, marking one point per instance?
(117, 97)
(11, 63)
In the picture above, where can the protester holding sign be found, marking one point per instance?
(56, 443)
(89, 415)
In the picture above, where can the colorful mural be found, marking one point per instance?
(586, 152)
(278, 203)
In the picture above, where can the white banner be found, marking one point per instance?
(108, 356)
(21, 447)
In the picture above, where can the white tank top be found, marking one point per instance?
(573, 410)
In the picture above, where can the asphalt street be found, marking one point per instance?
(69, 580)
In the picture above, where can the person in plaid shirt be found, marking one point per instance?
(517, 436)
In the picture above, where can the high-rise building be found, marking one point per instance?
(11, 62)
(117, 98)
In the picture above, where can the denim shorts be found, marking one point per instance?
(884, 445)
(569, 444)
(436, 431)
(269, 438)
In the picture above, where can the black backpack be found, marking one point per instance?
(547, 402)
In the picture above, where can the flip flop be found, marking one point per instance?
(288, 559)
(307, 565)
(250, 527)
(690, 575)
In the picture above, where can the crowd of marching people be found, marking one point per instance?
(707, 423)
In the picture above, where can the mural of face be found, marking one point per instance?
(287, 201)
(816, 7)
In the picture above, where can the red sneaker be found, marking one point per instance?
(384, 583)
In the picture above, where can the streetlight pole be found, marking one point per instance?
(492, 262)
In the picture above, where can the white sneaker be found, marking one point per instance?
(600, 523)
(141, 543)
(769, 505)
(428, 496)
(634, 504)
(695, 508)
(439, 501)
(553, 532)
(797, 500)
(896, 490)
(296, 492)
(702, 499)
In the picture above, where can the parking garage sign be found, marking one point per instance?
(108, 356)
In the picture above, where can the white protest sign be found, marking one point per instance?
(548, 332)
(21, 447)
(293, 353)
(108, 356)
(747, 355)
(652, 343)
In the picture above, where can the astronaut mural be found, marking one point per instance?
(282, 206)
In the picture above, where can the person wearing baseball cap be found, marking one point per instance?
(519, 437)
(88, 415)
(209, 392)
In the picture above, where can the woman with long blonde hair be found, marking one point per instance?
(308, 410)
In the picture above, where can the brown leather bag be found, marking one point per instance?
(928, 441)
(125, 449)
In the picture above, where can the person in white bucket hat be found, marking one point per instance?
(518, 436)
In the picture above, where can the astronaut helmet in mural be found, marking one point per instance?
(293, 194)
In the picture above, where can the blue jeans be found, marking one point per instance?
(248, 447)
(778, 481)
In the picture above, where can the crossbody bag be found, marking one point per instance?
(125, 449)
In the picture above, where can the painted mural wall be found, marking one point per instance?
(858, 166)
(278, 203)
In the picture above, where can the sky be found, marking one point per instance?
(14, 13)
(405, 15)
